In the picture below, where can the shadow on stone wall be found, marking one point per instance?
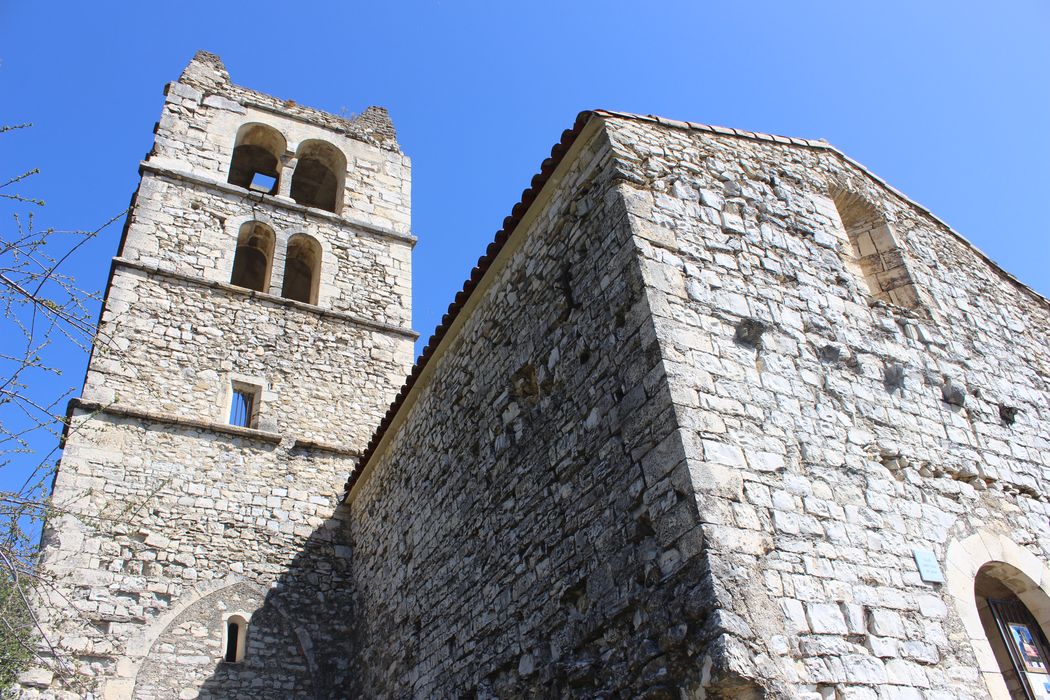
(298, 642)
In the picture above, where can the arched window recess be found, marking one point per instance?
(875, 255)
(302, 269)
(253, 259)
(257, 158)
(319, 176)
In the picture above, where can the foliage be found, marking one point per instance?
(15, 630)
(43, 311)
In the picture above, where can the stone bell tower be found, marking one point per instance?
(255, 328)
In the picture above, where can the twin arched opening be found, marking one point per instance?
(320, 171)
(253, 263)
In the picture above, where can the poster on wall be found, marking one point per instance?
(1027, 648)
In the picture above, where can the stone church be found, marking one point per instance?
(718, 414)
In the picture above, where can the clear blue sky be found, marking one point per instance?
(947, 100)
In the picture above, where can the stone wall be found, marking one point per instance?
(167, 520)
(174, 345)
(190, 226)
(161, 529)
(835, 434)
(522, 534)
(687, 449)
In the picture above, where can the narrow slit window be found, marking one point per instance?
(242, 407)
(236, 630)
(233, 633)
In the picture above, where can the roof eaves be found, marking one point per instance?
(510, 224)
(547, 168)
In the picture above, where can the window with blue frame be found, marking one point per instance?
(243, 406)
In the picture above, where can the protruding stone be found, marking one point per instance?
(893, 377)
(829, 353)
(1008, 414)
(953, 393)
(36, 678)
(749, 332)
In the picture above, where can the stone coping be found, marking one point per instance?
(266, 436)
(282, 202)
(352, 319)
(324, 447)
(172, 419)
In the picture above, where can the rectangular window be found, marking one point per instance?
(243, 406)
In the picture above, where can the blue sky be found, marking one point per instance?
(947, 100)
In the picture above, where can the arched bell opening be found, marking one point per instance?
(257, 157)
(253, 259)
(319, 177)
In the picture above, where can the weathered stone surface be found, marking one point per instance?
(170, 521)
(682, 442)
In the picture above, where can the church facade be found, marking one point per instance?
(718, 414)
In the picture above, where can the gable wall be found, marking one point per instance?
(815, 476)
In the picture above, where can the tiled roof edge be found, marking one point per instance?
(547, 168)
(510, 224)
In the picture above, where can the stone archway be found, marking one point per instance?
(181, 655)
(1020, 571)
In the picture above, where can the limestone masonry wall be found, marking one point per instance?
(828, 447)
(508, 541)
(169, 521)
(164, 529)
(760, 535)
(190, 228)
(182, 343)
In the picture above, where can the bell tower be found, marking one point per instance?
(256, 326)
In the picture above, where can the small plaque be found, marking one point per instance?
(929, 569)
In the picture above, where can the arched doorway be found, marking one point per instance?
(1000, 590)
(1016, 637)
